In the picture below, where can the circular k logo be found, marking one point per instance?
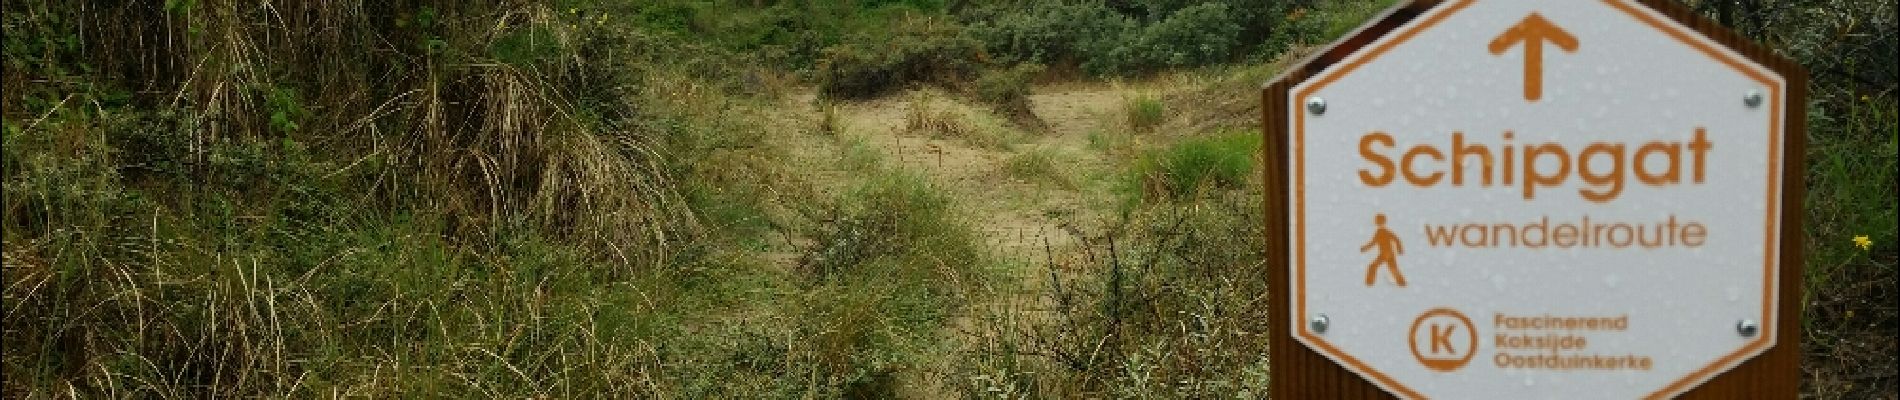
(1435, 339)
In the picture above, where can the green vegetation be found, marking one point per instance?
(424, 199)
(1115, 38)
(1144, 112)
(1224, 160)
(924, 50)
(1851, 174)
(1007, 91)
(886, 274)
(859, 156)
(558, 198)
(1850, 50)
(1042, 166)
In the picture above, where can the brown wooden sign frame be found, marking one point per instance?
(1301, 373)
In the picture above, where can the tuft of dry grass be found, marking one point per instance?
(1041, 165)
(357, 197)
(828, 122)
(938, 118)
(925, 116)
(1143, 112)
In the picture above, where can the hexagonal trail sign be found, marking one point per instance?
(1536, 199)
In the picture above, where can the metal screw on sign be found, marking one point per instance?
(1752, 99)
(1747, 327)
(1319, 323)
(1316, 105)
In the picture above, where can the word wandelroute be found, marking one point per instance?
(1583, 233)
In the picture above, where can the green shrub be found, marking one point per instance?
(1169, 306)
(922, 51)
(919, 5)
(1007, 91)
(1220, 161)
(667, 16)
(1041, 166)
(1144, 112)
(1105, 41)
(896, 222)
(1007, 86)
(528, 45)
(1052, 32)
(1196, 35)
(856, 71)
(1258, 19)
(859, 156)
(285, 108)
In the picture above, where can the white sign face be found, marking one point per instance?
(1537, 199)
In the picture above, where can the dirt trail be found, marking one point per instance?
(1022, 220)
(1017, 216)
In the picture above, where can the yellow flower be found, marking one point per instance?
(1863, 242)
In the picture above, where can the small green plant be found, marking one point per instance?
(859, 155)
(1144, 112)
(528, 45)
(1224, 160)
(285, 108)
(1042, 166)
(895, 223)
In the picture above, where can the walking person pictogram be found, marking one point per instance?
(1389, 251)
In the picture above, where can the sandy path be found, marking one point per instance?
(1016, 216)
(1022, 221)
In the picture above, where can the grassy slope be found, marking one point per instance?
(154, 247)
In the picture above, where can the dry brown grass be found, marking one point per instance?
(457, 151)
(469, 135)
(925, 116)
(929, 113)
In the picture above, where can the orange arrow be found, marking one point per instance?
(1533, 31)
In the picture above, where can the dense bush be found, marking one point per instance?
(1008, 85)
(1258, 19)
(1051, 32)
(1197, 35)
(1107, 40)
(791, 35)
(925, 50)
(1007, 90)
